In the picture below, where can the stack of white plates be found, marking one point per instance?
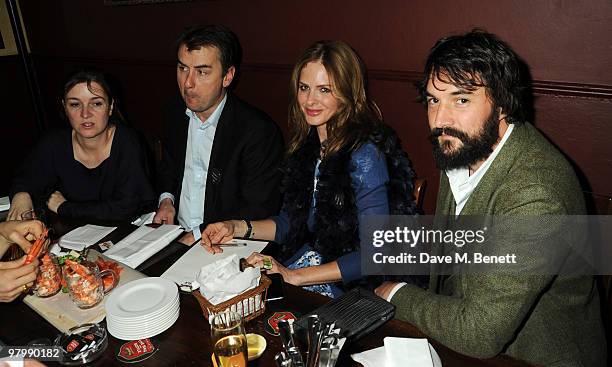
(142, 308)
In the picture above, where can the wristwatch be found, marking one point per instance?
(249, 230)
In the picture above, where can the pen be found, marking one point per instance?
(229, 244)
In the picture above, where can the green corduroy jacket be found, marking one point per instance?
(543, 319)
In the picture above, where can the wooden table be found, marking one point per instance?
(187, 342)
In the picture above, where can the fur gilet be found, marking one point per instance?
(336, 225)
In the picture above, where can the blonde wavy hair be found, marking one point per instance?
(357, 115)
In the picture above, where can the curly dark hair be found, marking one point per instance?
(479, 59)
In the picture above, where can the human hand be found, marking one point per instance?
(19, 232)
(165, 213)
(55, 200)
(257, 260)
(187, 239)
(385, 289)
(219, 232)
(15, 278)
(32, 363)
(22, 202)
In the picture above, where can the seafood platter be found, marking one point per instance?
(70, 290)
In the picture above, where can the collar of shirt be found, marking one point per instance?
(212, 120)
(197, 158)
(462, 184)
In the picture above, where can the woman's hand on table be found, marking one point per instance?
(55, 200)
(219, 232)
(15, 278)
(21, 203)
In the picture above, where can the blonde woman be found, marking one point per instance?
(343, 162)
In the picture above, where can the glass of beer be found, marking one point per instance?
(229, 340)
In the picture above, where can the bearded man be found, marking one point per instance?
(496, 164)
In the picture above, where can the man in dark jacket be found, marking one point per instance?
(220, 156)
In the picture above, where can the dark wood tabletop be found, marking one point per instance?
(187, 342)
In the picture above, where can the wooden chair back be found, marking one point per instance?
(420, 186)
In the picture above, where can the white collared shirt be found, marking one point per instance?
(200, 138)
(462, 184)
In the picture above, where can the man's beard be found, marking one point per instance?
(474, 148)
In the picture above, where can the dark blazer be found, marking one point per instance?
(243, 174)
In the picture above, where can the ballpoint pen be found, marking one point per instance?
(230, 244)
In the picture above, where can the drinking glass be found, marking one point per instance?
(49, 279)
(229, 339)
(85, 283)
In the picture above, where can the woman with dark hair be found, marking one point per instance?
(96, 170)
(343, 162)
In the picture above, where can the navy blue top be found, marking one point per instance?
(116, 190)
(369, 177)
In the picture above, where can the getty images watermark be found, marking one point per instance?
(553, 244)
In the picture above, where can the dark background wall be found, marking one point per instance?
(567, 44)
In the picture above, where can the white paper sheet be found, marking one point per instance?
(85, 236)
(187, 267)
(413, 353)
(402, 352)
(143, 243)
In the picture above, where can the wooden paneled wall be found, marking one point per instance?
(565, 43)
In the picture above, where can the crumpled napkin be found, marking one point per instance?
(223, 279)
(400, 352)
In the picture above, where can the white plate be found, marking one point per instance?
(135, 320)
(142, 297)
(168, 312)
(144, 328)
(145, 323)
(119, 329)
(144, 333)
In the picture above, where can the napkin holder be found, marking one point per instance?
(249, 304)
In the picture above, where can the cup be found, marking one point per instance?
(229, 340)
(85, 283)
(49, 279)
